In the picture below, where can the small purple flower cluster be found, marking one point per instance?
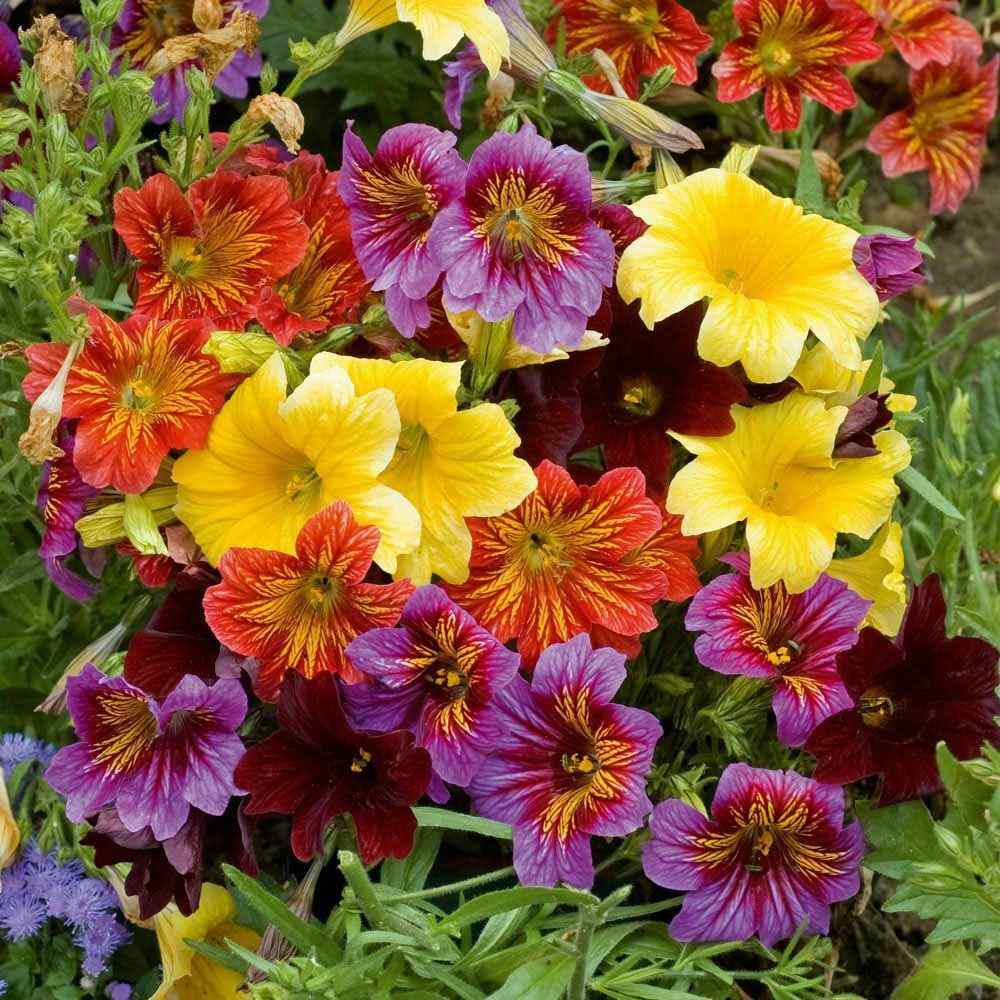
(16, 748)
(39, 888)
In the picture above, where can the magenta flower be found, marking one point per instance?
(392, 198)
(521, 241)
(62, 497)
(892, 265)
(460, 74)
(567, 764)
(436, 675)
(10, 58)
(792, 640)
(774, 853)
(154, 760)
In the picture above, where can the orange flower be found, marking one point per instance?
(208, 252)
(944, 130)
(299, 612)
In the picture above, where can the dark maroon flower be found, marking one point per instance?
(865, 418)
(892, 265)
(10, 58)
(909, 694)
(317, 767)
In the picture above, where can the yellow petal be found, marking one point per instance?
(396, 518)
(877, 576)
(787, 548)
(443, 23)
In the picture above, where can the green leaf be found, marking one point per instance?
(902, 835)
(26, 568)
(221, 956)
(873, 376)
(490, 903)
(808, 185)
(444, 819)
(943, 972)
(968, 796)
(410, 874)
(542, 979)
(928, 491)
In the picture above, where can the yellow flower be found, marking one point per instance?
(877, 576)
(270, 463)
(771, 274)
(820, 375)
(450, 463)
(10, 832)
(441, 23)
(187, 975)
(775, 471)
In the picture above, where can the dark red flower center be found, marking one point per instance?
(448, 678)
(360, 761)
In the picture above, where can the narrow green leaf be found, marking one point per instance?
(808, 185)
(490, 903)
(221, 956)
(924, 488)
(444, 819)
(873, 376)
(943, 972)
(543, 979)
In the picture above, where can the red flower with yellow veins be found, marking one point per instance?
(792, 49)
(944, 130)
(139, 390)
(640, 36)
(299, 612)
(208, 252)
(564, 562)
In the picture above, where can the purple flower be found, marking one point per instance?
(461, 72)
(792, 640)
(62, 496)
(10, 57)
(15, 749)
(22, 915)
(521, 241)
(892, 265)
(774, 853)
(393, 198)
(88, 899)
(118, 991)
(568, 764)
(99, 940)
(154, 760)
(437, 675)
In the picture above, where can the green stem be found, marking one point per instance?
(584, 939)
(979, 585)
(454, 887)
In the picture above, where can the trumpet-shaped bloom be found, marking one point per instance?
(909, 694)
(776, 472)
(156, 761)
(943, 131)
(569, 763)
(316, 767)
(208, 252)
(449, 463)
(326, 287)
(520, 241)
(774, 854)
(436, 675)
(792, 640)
(771, 273)
(393, 197)
(641, 38)
(877, 576)
(792, 49)
(565, 561)
(892, 265)
(271, 462)
(299, 612)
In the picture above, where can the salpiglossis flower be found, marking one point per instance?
(943, 130)
(792, 640)
(393, 197)
(909, 694)
(771, 273)
(449, 463)
(521, 242)
(892, 265)
(641, 38)
(569, 763)
(877, 576)
(209, 252)
(776, 471)
(564, 562)
(299, 612)
(773, 855)
(793, 49)
(271, 462)
(437, 674)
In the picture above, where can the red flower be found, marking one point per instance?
(791, 49)
(139, 389)
(640, 38)
(565, 561)
(208, 252)
(317, 767)
(909, 694)
(327, 286)
(299, 612)
(944, 130)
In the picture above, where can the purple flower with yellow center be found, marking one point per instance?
(774, 854)
(567, 763)
(791, 640)
(393, 198)
(153, 760)
(521, 242)
(437, 675)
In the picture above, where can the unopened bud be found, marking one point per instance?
(960, 414)
(530, 59)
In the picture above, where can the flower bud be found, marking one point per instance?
(530, 58)
(106, 525)
(240, 353)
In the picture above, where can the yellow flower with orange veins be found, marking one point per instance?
(877, 576)
(450, 464)
(777, 472)
(771, 274)
(271, 462)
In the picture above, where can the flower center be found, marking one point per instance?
(875, 707)
(582, 765)
(639, 397)
(187, 257)
(766, 616)
(322, 591)
(412, 439)
(644, 19)
(128, 730)
(138, 392)
(448, 677)
(542, 550)
(777, 59)
(361, 760)
(302, 482)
